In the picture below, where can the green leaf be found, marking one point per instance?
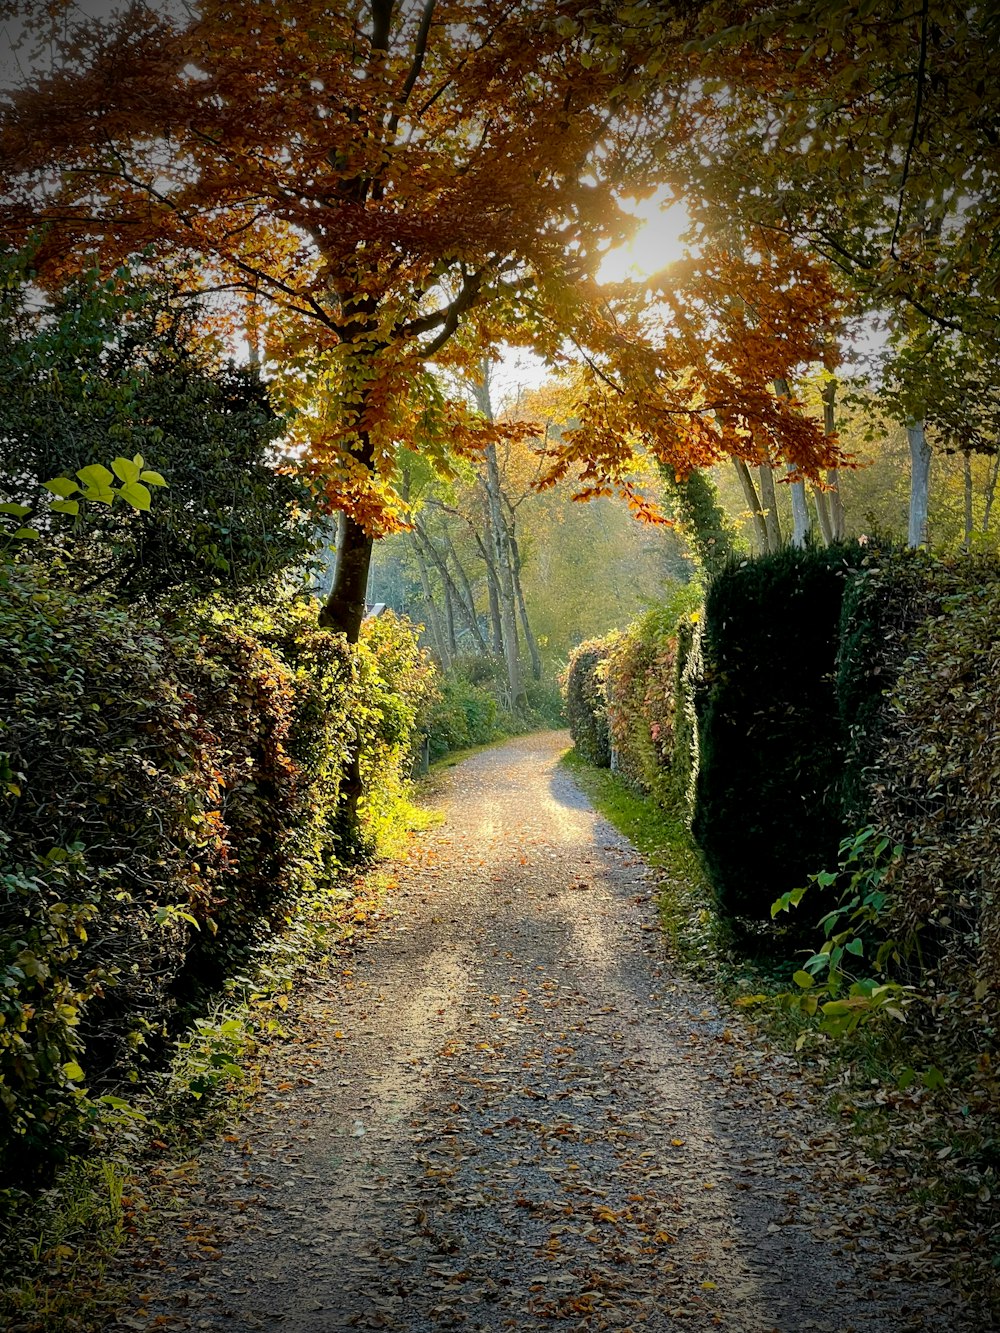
(135, 494)
(804, 979)
(151, 478)
(73, 1071)
(855, 947)
(27, 534)
(66, 507)
(61, 486)
(95, 475)
(15, 510)
(126, 470)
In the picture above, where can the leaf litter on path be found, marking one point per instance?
(509, 1115)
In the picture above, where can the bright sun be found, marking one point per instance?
(657, 242)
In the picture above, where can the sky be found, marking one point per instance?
(656, 243)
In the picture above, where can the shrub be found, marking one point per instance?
(461, 715)
(117, 366)
(169, 795)
(767, 793)
(586, 704)
(641, 681)
(889, 596)
(934, 786)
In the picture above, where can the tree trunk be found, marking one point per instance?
(822, 501)
(432, 615)
(769, 502)
(345, 607)
(920, 478)
(529, 638)
(501, 556)
(468, 599)
(834, 500)
(801, 522)
(449, 618)
(493, 589)
(453, 593)
(753, 504)
(967, 480)
(991, 490)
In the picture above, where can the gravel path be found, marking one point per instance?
(506, 1114)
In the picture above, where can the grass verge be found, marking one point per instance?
(698, 938)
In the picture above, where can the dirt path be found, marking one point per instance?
(506, 1115)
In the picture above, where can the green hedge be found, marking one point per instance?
(585, 700)
(168, 795)
(643, 675)
(933, 784)
(767, 794)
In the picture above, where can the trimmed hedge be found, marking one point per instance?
(934, 784)
(767, 795)
(168, 796)
(585, 700)
(643, 686)
(823, 691)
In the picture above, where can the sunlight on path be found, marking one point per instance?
(528, 1123)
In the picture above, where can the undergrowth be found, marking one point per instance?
(59, 1245)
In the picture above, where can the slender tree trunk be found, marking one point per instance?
(453, 594)
(823, 516)
(529, 638)
(753, 504)
(468, 597)
(769, 501)
(967, 479)
(449, 618)
(920, 477)
(991, 490)
(492, 589)
(801, 523)
(508, 607)
(834, 499)
(501, 556)
(440, 646)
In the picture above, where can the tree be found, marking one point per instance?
(373, 177)
(116, 367)
(683, 368)
(866, 132)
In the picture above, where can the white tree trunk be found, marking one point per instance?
(920, 481)
(801, 523)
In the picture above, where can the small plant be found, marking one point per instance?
(832, 985)
(96, 485)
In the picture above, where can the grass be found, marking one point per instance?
(698, 938)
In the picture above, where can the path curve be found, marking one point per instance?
(526, 1122)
